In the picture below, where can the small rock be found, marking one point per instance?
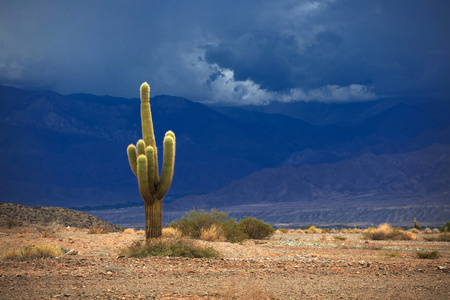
(72, 252)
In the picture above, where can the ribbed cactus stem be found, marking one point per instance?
(143, 161)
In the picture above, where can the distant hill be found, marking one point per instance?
(70, 151)
(45, 216)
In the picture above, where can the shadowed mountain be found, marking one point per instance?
(70, 151)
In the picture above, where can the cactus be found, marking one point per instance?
(143, 160)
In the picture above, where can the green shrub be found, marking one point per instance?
(428, 254)
(446, 227)
(173, 247)
(256, 229)
(195, 222)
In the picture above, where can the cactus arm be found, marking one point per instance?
(168, 164)
(146, 116)
(151, 169)
(131, 150)
(142, 179)
(140, 147)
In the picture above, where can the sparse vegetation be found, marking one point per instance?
(313, 229)
(49, 230)
(281, 230)
(212, 234)
(393, 254)
(32, 251)
(340, 237)
(441, 237)
(10, 223)
(98, 230)
(173, 247)
(428, 254)
(386, 232)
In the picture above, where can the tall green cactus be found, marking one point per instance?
(144, 163)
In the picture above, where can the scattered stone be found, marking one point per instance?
(72, 252)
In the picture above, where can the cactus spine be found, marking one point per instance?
(143, 160)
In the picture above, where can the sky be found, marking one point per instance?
(229, 52)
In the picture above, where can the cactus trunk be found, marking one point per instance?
(143, 159)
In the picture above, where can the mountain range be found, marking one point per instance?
(286, 163)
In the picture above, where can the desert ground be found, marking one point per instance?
(286, 266)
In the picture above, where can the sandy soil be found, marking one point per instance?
(288, 266)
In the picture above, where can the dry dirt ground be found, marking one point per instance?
(287, 266)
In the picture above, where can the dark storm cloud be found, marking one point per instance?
(229, 51)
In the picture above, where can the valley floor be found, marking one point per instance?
(287, 266)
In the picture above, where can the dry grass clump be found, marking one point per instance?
(173, 247)
(428, 254)
(140, 232)
(355, 230)
(32, 251)
(313, 229)
(171, 232)
(129, 231)
(386, 232)
(299, 231)
(98, 230)
(212, 234)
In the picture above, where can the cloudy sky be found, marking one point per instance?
(236, 52)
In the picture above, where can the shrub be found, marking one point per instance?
(129, 231)
(256, 229)
(446, 227)
(414, 230)
(339, 237)
(31, 251)
(427, 231)
(194, 222)
(442, 237)
(10, 223)
(281, 230)
(299, 231)
(49, 230)
(386, 232)
(173, 247)
(98, 230)
(313, 229)
(212, 234)
(428, 254)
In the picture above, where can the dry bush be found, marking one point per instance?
(435, 230)
(414, 230)
(281, 230)
(441, 237)
(171, 232)
(427, 231)
(355, 230)
(386, 232)
(98, 230)
(313, 229)
(299, 231)
(334, 231)
(212, 234)
(129, 231)
(140, 232)
(49, 230)
(31, 251)
(344, 230)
